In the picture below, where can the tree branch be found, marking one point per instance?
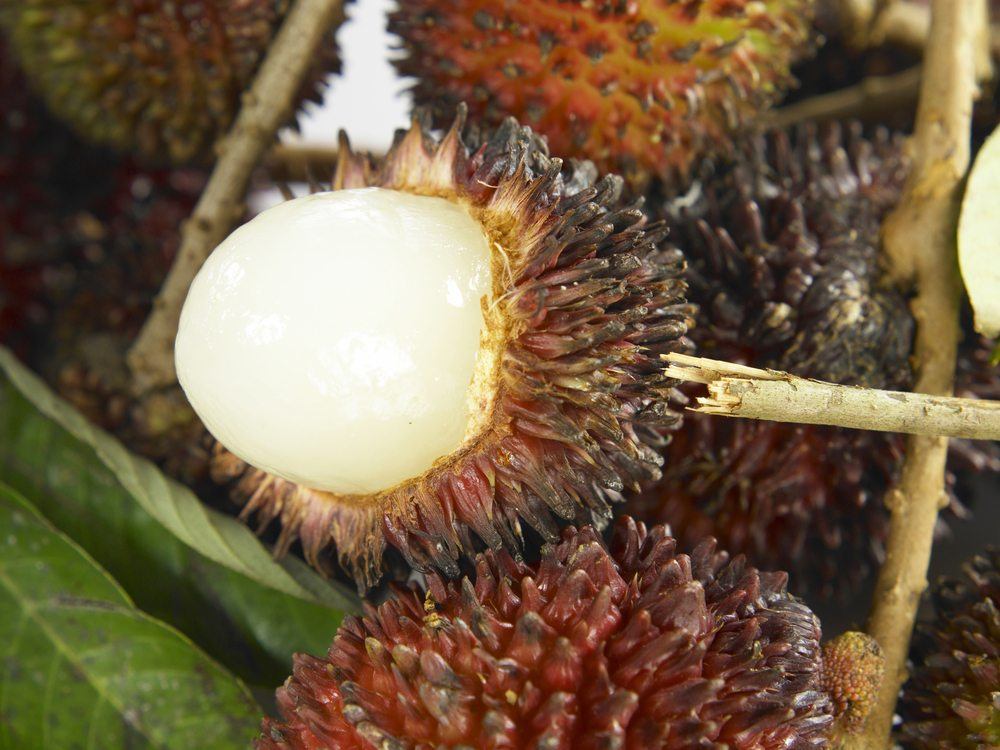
(300, 163)
(266, 106)
(873, 97)
(919, 239)
(740, 391)
(908, 24)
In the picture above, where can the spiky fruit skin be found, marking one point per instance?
(584, 302)
(161, 80)
(640, 88)
(633, 647)
(952, 700)
(784, 256)
(783, 265)
(853, 667)
(783, 249)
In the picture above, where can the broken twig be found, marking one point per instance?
(740, 391)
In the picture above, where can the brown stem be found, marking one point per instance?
(920, 243)
(266, 106)
(749, 392)
(300, 163)
(856, 17)
(907, 24)
(872, 98)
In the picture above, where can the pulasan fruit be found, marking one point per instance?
(633, 646)
(529, 288)
(161, 80)
(642, 88)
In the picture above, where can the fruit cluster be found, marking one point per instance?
(445, 363)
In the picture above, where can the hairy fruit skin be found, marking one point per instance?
(636, 647)
(640, 88)
(952, 700)
(785, 267)
(160, 80)
(574, 403)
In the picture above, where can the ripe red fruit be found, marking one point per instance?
(632, 647)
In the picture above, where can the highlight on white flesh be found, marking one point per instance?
(332, 340)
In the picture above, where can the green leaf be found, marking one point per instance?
(218, 584)
(83, 668)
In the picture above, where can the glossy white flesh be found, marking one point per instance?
(332, 339)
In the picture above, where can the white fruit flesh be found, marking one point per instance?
(332, 340)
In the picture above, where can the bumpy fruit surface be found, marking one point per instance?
(784, 260)
(640, 87)
(160, 79)
(636, 647)
(568, 403)
(853, 667)
(952, 701)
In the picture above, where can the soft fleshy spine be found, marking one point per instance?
(636, 647)
(159, 80)
(641, 88)
(952, 699)
(585, 300)
(785, 266)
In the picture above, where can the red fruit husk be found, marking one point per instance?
(639, 647)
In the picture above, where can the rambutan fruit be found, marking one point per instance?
(632, 647)
(785, 268)
(640, 88)
(952, 700)
(456, 338)
(158, 79)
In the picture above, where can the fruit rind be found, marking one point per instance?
(160, 80)
(952, 700)
(631, 645)
(585, 301)
(641, 88)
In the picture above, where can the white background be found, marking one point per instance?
(367, 100)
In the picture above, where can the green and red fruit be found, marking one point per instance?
(161, 80)
(641, 88)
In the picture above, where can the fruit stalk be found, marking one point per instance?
(920, 243)
(265, 107)
(873, 97)
(907, 24)
(753, 393)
